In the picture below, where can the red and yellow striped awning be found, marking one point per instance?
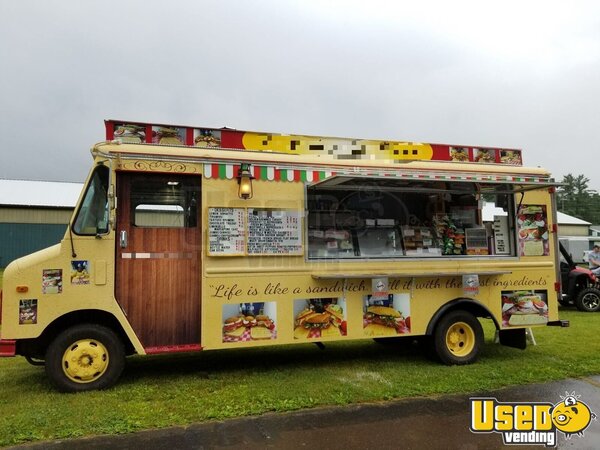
(225, 171)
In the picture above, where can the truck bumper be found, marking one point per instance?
(8, 347)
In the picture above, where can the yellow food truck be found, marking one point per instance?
(187, 239)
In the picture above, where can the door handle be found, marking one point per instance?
(123, 239)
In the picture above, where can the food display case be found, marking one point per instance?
(380, 238)
(343, 234)
(331, 234)
(330, 243)
(420, 241)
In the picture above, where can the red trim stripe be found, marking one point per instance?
(173, 349)
(8, 347)
(214, 171)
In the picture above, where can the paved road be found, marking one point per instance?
(432, 423)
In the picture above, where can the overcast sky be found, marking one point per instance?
(517, 74)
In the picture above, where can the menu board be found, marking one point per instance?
(274, 232)
(226, 231)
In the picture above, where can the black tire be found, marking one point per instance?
(96, 360)
(457, 338)
(588, 300)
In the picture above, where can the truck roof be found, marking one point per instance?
(268, 164)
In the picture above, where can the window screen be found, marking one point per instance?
(165, 203)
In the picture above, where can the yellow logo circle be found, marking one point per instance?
(571, 416)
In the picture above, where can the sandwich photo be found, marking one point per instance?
(303, 315)
(262, 327)
(523, 308)
(336, 313)
(319, 318)
(261, 332)
(234, 326)
(386, 316)
(206, 139)
(246, 326)
(264, 321)
(317, 321)
(130, 133)
(169, 136)
(379, 320)
(249, 321)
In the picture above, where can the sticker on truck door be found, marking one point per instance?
(52, 281)
(28, 311)
(80, 272)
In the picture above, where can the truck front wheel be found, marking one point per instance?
(84, 358)
(588, 300)
(457, 338)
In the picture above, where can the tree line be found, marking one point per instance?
(575, 198)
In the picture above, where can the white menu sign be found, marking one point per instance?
(501, 236)
(226, 231)
(274, 231)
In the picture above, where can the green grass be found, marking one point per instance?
(172, 390)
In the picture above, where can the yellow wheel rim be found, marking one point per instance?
(85, 361)
(460, 339)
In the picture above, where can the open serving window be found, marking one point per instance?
(365, 217)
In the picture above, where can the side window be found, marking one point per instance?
(165, 203)
(92, 216)
(157, 216)
(385, 218)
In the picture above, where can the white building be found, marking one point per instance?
(33, 215)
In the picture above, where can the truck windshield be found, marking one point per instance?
(92, 216)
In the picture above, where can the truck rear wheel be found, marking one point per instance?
(84, 358)
(588, 300)
(457, 338)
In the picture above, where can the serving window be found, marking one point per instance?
(359, 217)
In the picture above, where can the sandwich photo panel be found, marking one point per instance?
(249, 322)
(532, 224)
(524, 308)
(319, 318)
(386, 316)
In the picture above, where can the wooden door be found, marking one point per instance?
(158, 256)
